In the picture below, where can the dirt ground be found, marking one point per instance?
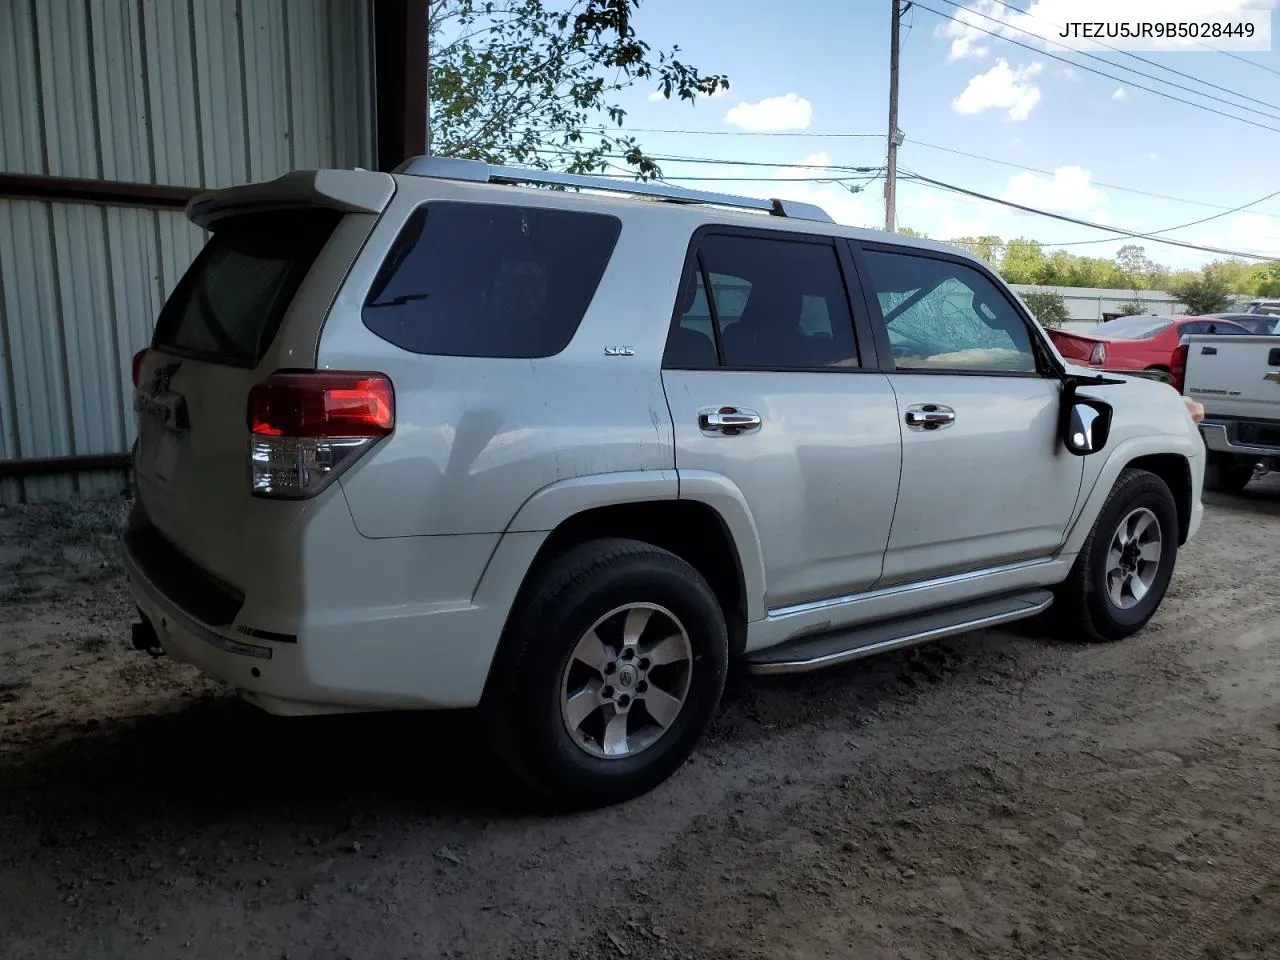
(998, 795)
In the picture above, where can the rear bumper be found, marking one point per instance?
(1218, 438)
(415, 654)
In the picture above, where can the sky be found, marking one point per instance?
(808, 75)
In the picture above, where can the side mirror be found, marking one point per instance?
(1088, 426)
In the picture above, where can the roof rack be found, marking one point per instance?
(477, 171)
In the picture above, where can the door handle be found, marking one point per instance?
(729, 421)
(929, 416)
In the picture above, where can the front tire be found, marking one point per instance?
(1123, 570)
(611, 670)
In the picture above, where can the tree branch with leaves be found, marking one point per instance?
(514, 81)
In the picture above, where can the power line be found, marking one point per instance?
(729, 133)
(932, 146)
(1182, 226)
(670, 176)
(1126, 53)
(1133, 234)
(1101, 73)
(1050, 173)
(1094, 56)
(1252, 63)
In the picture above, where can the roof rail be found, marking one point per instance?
(477, 171)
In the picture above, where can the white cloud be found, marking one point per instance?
(1069, 190)
(1001, 88)
(1153, 157)
(788, 112)
(814, 165)
(1044, 20)
(945, 216)
(1246, 232)
(1120, 94)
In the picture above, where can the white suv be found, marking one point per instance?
(436, 439)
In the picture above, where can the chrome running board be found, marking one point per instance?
(811, 652)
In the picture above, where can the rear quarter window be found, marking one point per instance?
(489, 280)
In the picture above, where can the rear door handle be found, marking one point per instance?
(929, 416)
(729, 421)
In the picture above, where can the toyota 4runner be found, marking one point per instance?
(442, 439)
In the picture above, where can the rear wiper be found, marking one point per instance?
(397, 301)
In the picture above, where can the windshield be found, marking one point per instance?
(1135, 328)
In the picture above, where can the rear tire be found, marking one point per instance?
(611, 670)
(1225, 473)
(1123, 570)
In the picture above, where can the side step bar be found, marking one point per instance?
(830, 649)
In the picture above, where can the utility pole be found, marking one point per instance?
(891, 171)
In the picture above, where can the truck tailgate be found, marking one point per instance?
(1235, 377)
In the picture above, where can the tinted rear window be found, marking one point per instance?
(1135, 328)
(227, 306)
(484, 280)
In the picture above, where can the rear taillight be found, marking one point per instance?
(1178, 367)
(1098, 356)
(306, 427)
(137, 364)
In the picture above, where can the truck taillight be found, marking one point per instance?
(1098, 356)
(1178, 367)
(306, 427)
(137, 364)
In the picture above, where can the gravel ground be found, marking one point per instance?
(998, 795)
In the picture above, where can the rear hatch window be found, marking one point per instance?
(228, 305)
(489, 280)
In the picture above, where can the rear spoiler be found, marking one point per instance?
(1059, 332)
(351, 191)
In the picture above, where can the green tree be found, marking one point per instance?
(985, 248)
(1134, 264)
(909, 232)
(1048, 307)
(1023, 262)
(517, 81)
(1207, 293)
(1132, 308)
(1269, 285)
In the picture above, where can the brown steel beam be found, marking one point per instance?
(28, 186)
(36, 466)
(400, 79)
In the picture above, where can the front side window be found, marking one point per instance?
(489, 280)
(943, 315)
(765, 304)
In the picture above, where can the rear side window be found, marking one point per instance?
(489, 280)
(774, 304)
(227, 306)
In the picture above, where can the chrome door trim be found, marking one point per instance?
(810, 606)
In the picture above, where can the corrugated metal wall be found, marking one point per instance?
(178, 92)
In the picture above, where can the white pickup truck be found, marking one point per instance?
(1237, 379)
